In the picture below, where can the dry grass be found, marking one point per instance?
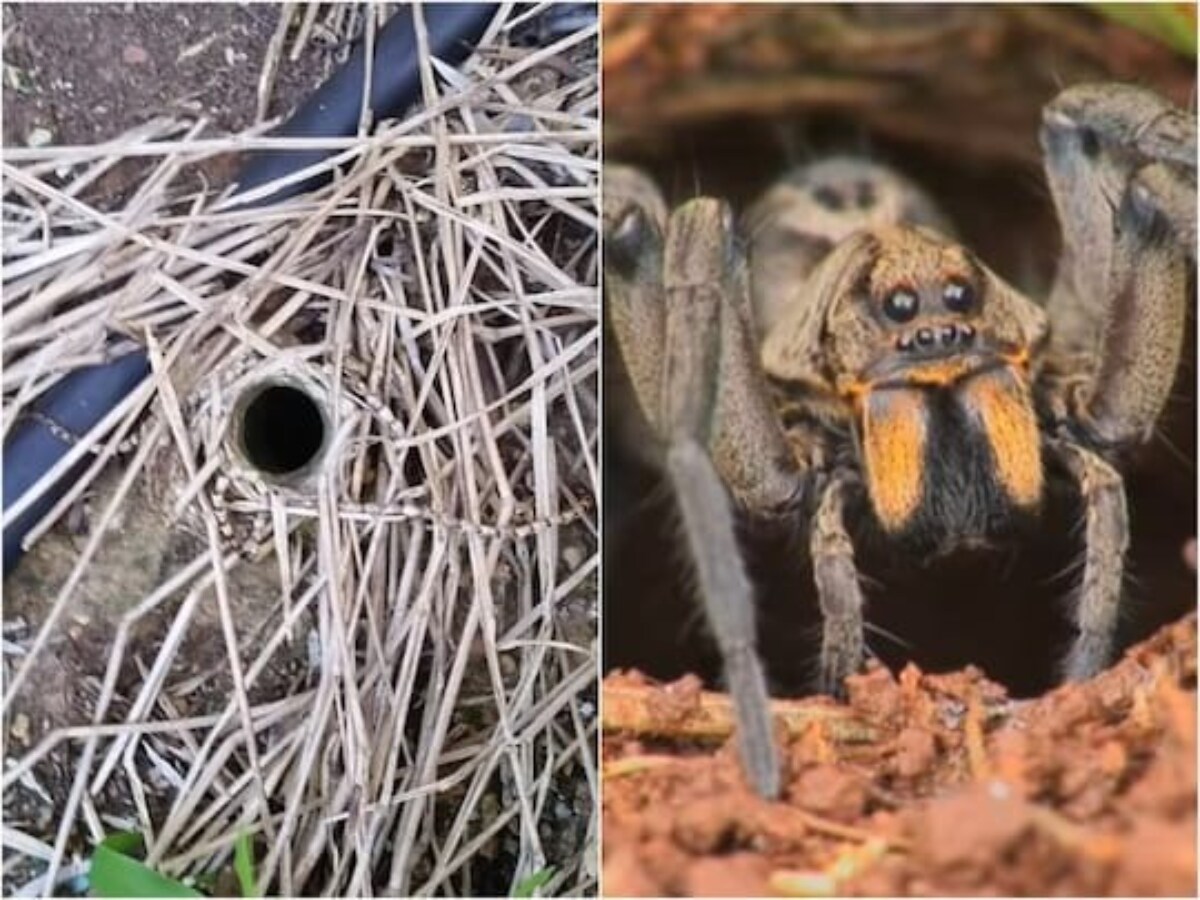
(409, 707)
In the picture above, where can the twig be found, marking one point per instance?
(639, 710)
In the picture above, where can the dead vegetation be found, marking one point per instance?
(384, 672)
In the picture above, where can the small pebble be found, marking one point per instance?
(39, 137)
(135, 55)
(20, 728)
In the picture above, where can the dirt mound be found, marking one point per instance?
(922, 784)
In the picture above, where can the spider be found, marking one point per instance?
(852, 357)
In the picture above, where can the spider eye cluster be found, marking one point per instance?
(903, 304)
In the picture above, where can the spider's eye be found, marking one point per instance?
(958, 297)
(901, 305)
(1089, 142)
(626, 245)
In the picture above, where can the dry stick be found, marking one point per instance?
(157, 597)
(266, 80)
(465, 853)
(973, 734)
(310, 16)
(322, 706)
(166, 246)
(547, 542)
(355, 740)
(140, 705)
(259, 665)
(267, 713)
(155, 129)
(647, 711)
(431, 750)
(174, 418)
(225, 823)
(437, 722)
(397, 137)
(57, 609)
(454, 392)
(117, 654)
(130, 218)
(483, 594)
(369, 26)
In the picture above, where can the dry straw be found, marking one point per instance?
(384, 671)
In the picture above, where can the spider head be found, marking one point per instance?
(931, 353)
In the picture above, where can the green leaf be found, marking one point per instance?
(243, 864)
(115, 872)
(529, 885)
(1174, 24)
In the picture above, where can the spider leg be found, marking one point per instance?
(1106, 541)
(1144, 326)
(1121, 166)
(728, 597)
(1120, 163)
(838, 589)
(635, 217)
(699, 251)
(694, 372)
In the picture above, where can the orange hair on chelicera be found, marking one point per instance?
(894, 439)
(999, 401)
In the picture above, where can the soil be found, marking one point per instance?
(919, 785)
(88, 72)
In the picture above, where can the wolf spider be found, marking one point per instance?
(855, 356)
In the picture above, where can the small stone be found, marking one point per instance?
(572, 556)
(39, 137)
(916, 752)
(830, 791)
(135, 55)
(20, 728)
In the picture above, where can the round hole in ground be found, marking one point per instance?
(280, 428)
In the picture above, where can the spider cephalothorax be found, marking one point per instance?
(860, 355)
(931, 355)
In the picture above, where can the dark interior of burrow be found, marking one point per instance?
(282, 430)
(1006, 611)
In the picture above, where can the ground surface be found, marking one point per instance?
(84, 74)
(921, 785)
(87, 72)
